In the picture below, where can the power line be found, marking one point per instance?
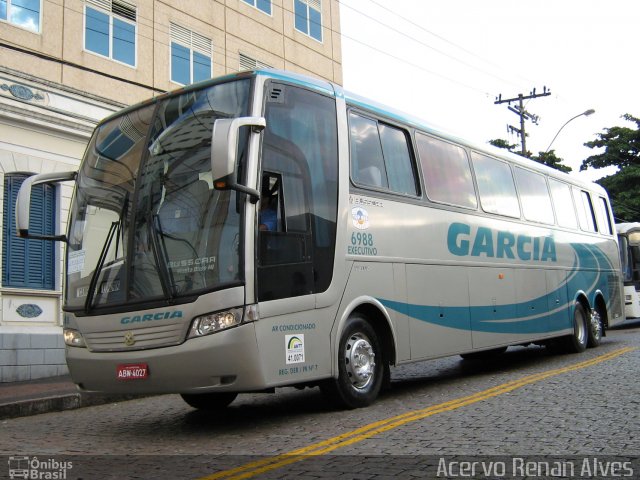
(522, 113)
(445, 40)
(420, 42)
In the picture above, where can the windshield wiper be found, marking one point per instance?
(114, 230)
(160, 255)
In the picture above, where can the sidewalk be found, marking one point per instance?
(53, 394)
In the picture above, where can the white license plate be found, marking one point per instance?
(136, 371)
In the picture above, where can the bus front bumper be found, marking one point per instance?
(224, 361)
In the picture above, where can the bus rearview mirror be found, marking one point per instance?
(23, 202)
(224, 147)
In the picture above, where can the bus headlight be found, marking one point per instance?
(214, 322)
(73, 338)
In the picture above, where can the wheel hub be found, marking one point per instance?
(360, 361)
(596, 325)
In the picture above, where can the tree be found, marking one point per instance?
(622, 150)
(500, 143)
(621, 146)
(549, 158)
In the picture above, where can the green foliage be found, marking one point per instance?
(500, 143)
(621, 146)
(621, 149)
(550, 159)
(624, 193)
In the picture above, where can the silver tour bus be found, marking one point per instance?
(267, 229)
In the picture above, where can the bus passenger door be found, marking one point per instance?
(295, 232)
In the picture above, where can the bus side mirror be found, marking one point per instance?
(23, 202)
(224, 147)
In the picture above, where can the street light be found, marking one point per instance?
(586, 113)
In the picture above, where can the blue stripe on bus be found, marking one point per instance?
(588, 275)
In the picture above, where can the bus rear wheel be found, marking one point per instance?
(595, 329)
(577, 341)
(209, 401)
(360, 366)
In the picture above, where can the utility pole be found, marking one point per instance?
(522, 113)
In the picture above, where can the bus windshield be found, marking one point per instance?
(146, 223)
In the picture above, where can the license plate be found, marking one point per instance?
(136, 371)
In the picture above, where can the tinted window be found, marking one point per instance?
(447, 173)
(604, 221)
(495, 185)
(367, 162)
(563, 204)
(298, 205)
(584, 208)
(380, 155)
(534, 196)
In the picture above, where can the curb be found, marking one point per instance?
(59, 403)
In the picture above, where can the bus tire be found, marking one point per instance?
(595, 328)
(360, 366)
(209, 401)
(577, 341)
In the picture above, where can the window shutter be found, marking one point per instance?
(192, 40)
(124, 10)
(248, 63)
(117, 7)
(28, 263)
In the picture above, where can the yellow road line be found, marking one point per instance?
(367, 431)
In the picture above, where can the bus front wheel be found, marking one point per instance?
(576, 342)
(209, 401)
(360, 366)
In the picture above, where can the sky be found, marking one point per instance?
(447, 61)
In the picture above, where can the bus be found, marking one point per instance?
(268, 229)
(629, 242)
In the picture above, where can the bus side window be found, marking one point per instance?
(495, 185)
(367, 162)
(602, 214)
(584, 207)
(563, 204)
(534, 196)
(381, 156)
(447, 173)
(270, 215)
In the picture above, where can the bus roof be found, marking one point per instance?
(627, 228)
(337, 91)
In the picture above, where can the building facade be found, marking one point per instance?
(65, 65)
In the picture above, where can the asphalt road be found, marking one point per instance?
(529, 414)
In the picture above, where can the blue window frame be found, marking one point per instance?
(191, 59)
(308, 17)
(111, 30)
(22, 13)
(263, 5)
(28, 263)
